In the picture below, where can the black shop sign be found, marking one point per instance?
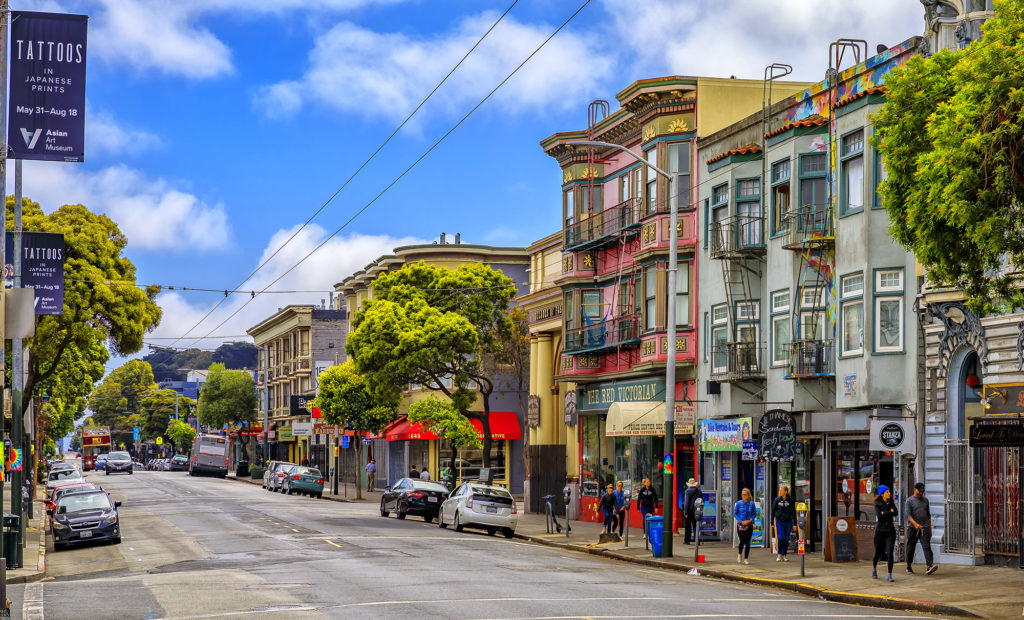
(777, 436)
(997, 435)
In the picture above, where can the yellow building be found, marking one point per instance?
(405, 446)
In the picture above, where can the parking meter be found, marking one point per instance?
(698, 515)
(801, 521)
(567, 495)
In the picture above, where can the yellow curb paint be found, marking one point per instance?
(332, 543)
(295, 530)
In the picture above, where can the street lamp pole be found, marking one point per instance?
(670, 363)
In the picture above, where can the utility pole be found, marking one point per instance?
(4, 11)
(18, 381)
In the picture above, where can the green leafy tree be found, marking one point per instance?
(952, 136)
(181, 435)
(346, 401)
(440, 328)
(158, 412)
(444, 420)
(228, 398)
(117, 400)
(102, 304)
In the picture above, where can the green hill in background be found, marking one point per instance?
(171, 364)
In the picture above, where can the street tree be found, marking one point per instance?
(345, 400)
(117, 400)
(440, 328)
(102, 303)
(65, 393)
(228, 397)
(444, 420)
(181, 435)
(952, 137)
(158, 411)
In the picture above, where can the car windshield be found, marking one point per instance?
(118, 456)
(180, 458)
(60, 466)
(426, 485)
(64, 474)
(76, 502)
(306, 471)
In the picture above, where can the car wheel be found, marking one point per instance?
(320, 495)
(58, 547)
(427, 519)
(130, 472)
(492, 532)
(508, 532)
(440, 520)
(106, 473)
(458, 526)
(117, 541)
(383, 510)
(401, 513)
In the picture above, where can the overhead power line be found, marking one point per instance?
(363, 165)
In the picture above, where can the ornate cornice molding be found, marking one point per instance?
(960, 327)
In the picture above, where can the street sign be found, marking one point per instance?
(47, 108)
(159, 441)
(367, 441)
(136, 436)
(344, 441)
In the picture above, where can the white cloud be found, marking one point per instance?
(338, 259)
(152, 213)
(719, 38)
(357, 70)
(104, 134)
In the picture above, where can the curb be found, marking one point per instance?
(835, 596)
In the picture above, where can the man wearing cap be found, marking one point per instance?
(919, 516)
(690, 510)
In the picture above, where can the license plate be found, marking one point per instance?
(85, 534)
(492, 508)
(432, 499)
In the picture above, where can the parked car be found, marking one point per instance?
(303, 480)
(61, 491)
(61, 477)
(118, 463)
(60, 465)
(274, 476)
(179, 463)
(480, 506)
(84, 517)
(101, 462)
(411, 496)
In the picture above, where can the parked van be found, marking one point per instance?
(209, 455)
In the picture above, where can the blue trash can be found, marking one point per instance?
(654, 527)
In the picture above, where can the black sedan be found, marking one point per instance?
(85, 517)
(410, 496)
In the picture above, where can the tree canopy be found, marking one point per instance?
(444, 420)
(102, 305)
(437, 327)
(158, 412)
(117, 400)
(181, 435)
(227, 398)
(952, 137)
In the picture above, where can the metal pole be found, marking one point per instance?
(176, 405)
(3, 243)
(18, 380)
(266, 405)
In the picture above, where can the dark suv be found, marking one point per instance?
(84, 517)
(119, 463)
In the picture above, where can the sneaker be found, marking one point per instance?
(739, 558)
(910, 571)
(785, 558)
(931, 569)
(778, 558)
(874, 574)
(746, 561)
(891, 579)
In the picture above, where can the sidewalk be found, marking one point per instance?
(34, 554)
(966, 591)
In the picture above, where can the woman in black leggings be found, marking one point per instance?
(885, 530)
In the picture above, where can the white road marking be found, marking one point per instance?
(703, 615)
(32, 604)
(510, 599)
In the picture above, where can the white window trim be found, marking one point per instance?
(843, 351)
(776, 306)
(748, 311)
(845, 294)
(778, 363)
(878, 324)
(818, 303)
(714, 312)
(888, 289)
(803, 322)
(719, 369)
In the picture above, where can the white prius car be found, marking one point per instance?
(482, 507)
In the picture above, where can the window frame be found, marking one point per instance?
(776, 307)
(651, 177)
(678, 176)
(883, 294)
(780, 318)
(849, 299)
(879, 174)
(879, 289)
(781, 227)
(683, 267)
(742, 200)
(812, 176)
(878, 348)
(845, 160)
(650, 297)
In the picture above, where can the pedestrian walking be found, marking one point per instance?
(414, 473)
(784, 518)
(919, 514)
(371, 474)
(305, 461)
(690, 509)
(606, 507)
(620, 506)
(425, 473)
(885, 529)
(745, 512)
(646, 501)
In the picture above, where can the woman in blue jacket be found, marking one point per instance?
(745, 512)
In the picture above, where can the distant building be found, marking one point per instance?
(188, 389)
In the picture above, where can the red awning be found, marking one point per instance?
(405, 431)
(504, 425)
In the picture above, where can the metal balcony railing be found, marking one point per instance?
(739, 235)
(602, 227)
(738, 361)
(810, 226)
(811, 358)
(604, 335)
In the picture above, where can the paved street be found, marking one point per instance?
(203, 547)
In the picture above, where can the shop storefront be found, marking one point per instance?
(728, 464)
(998, 447)
(622, 430)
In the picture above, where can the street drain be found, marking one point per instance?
(275, 586)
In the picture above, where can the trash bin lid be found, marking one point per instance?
(10, 520)
(659, 519)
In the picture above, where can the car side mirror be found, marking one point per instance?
(49, 511)
(117, 504)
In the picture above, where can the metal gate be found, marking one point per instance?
(959, 528)
(1002, 496)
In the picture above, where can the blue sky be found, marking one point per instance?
(216, 127)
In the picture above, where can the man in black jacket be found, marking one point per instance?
(689, 510)
(646, 501)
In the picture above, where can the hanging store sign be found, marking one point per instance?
(42, 268)
(1004, 434)
(318, 369)
(724, 435)
(302, 429)
(893, 435)
(533, 411)
(300, 405)
(47, 108)
(776, 433)
(1003, 399)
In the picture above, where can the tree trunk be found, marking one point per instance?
(485, 422)
(358, 474)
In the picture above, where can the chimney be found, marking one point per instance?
(442, 239)
(458, 238)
